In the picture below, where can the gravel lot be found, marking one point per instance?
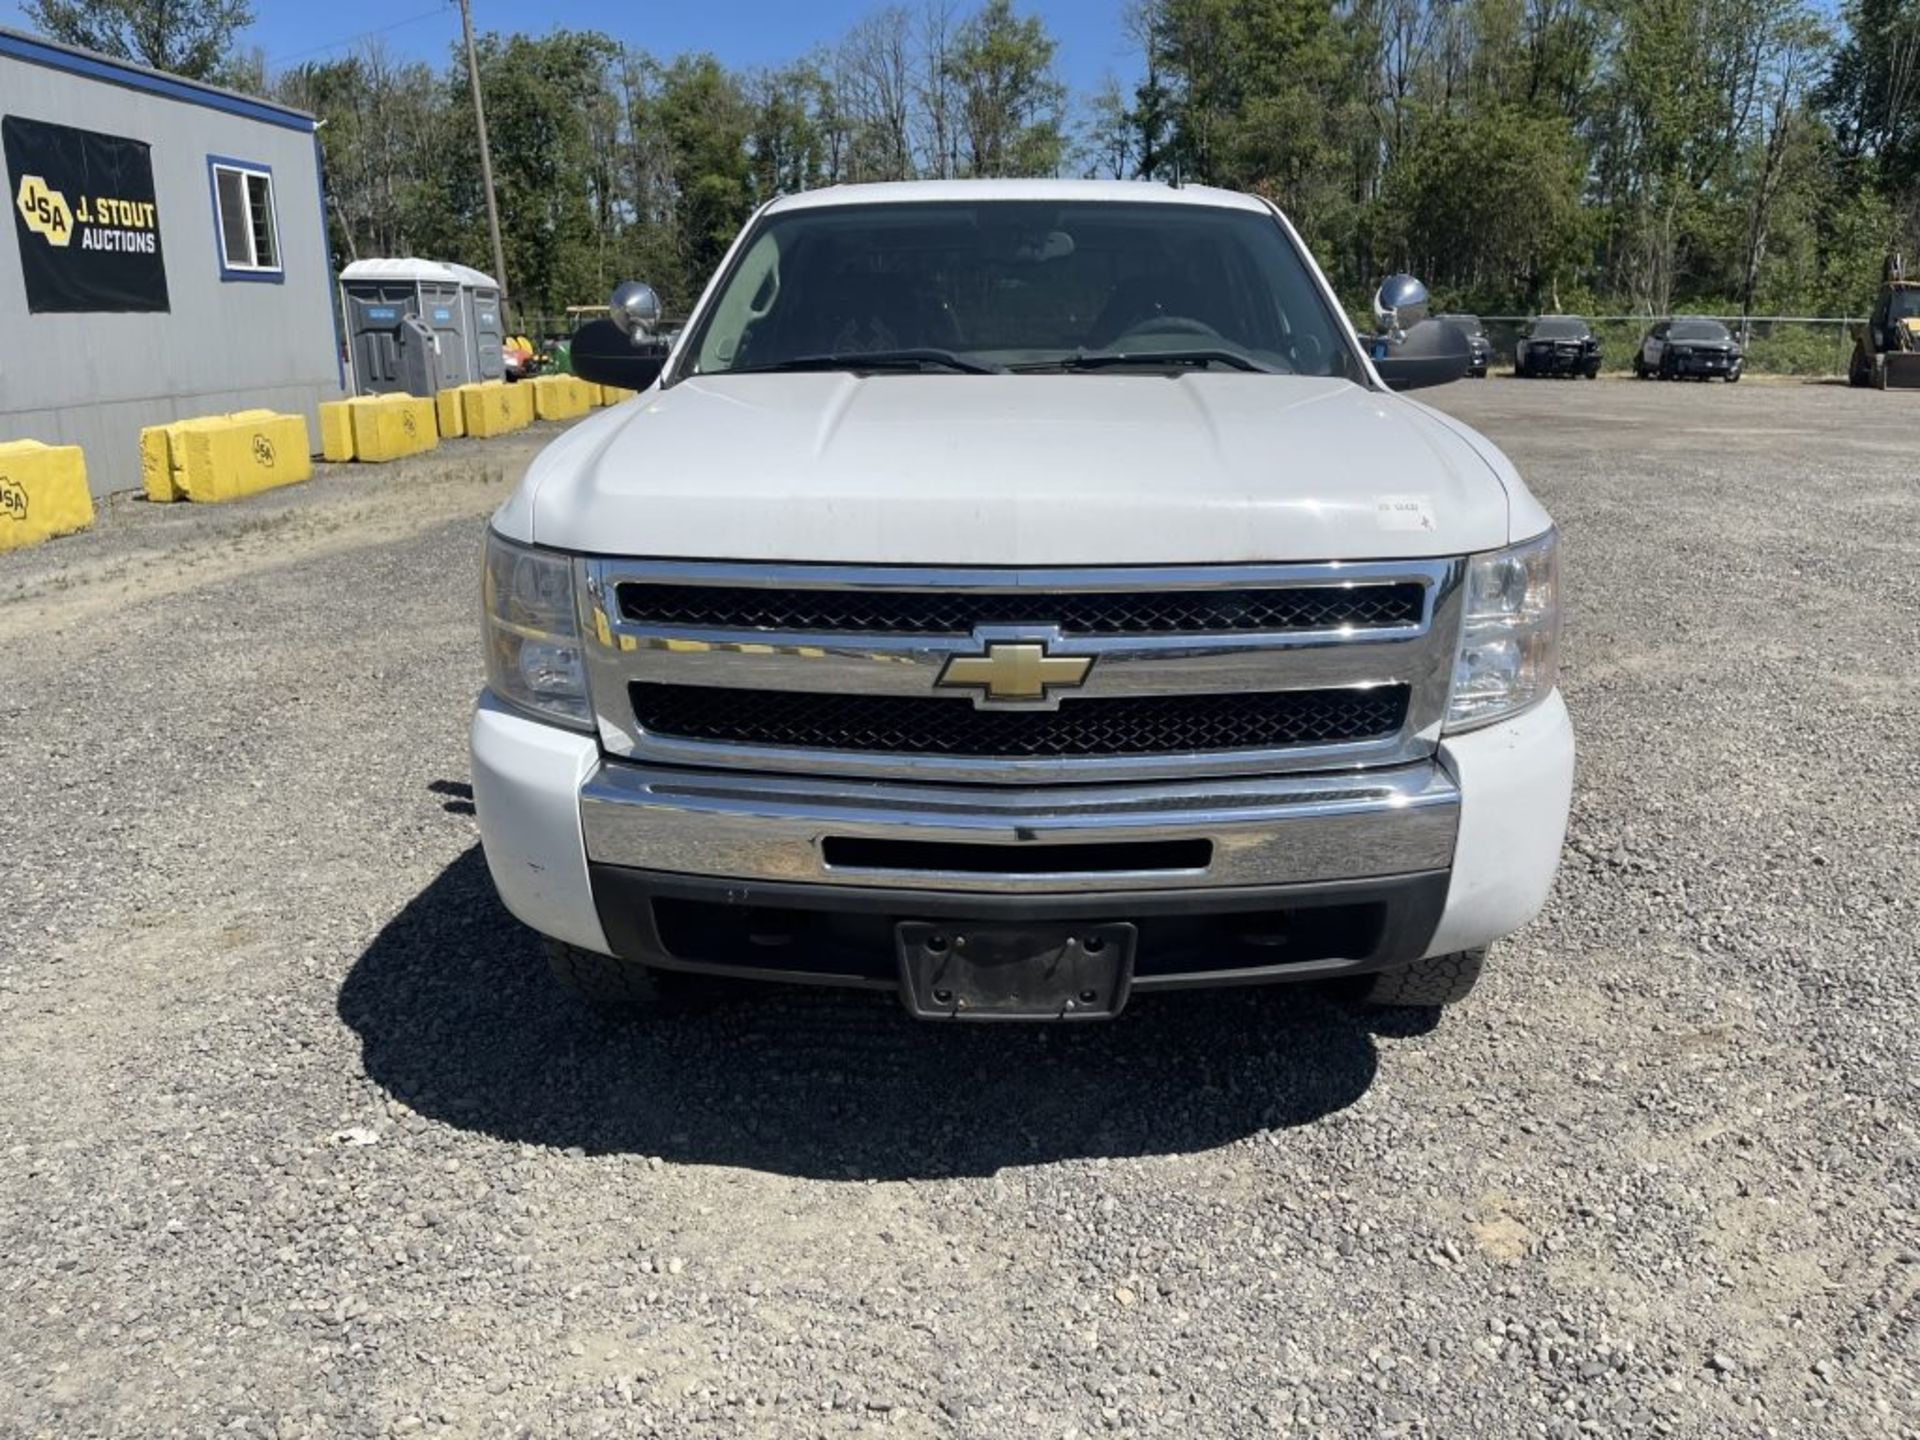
(299, 1139)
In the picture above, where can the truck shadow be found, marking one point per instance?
(458, 1019)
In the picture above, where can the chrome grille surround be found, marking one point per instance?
(1418, 655)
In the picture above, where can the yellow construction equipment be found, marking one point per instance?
(1886, 350)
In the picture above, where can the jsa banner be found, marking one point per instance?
(83, 207)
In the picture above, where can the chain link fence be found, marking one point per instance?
(1809, 345)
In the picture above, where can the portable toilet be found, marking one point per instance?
(406, 326)
(485, 330)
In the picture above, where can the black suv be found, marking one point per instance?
(1478, 344)
(1689, 345)
(1558, 345)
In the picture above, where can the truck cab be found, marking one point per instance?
(1019, 597)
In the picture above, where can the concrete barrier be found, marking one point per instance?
(493, 408)
(614, 394)
(387, 427)
(336, 431)
(449, 415)
(558, 397)
(43, 492)
(216, 458)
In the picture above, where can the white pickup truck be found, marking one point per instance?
(1017, 596)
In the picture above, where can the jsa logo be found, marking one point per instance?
(44, 210)
(13, 499)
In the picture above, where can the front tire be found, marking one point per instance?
(1437, 980)
(607, 984)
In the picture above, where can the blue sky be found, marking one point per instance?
(741, 32)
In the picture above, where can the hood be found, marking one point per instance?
(1015, 470)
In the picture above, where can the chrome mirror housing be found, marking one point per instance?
(1400, 303)
(635, 309)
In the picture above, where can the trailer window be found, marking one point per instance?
(249, 229)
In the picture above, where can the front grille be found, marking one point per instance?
(912, 725)
(1132, 612)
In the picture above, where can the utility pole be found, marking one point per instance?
(486, 162)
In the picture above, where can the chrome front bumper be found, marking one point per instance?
(1281, 830)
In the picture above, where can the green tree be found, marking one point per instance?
(384, 141)
(185, 37)
(1488, 206)
(1012, 107)
(788, 138)
(542, 96)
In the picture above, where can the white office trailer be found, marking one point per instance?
(416, 326)
(167, 258)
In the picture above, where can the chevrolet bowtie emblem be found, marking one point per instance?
(1015, 670)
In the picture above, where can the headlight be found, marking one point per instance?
(1510, 633)
(533, 633)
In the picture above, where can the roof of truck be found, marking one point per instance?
(909, 192)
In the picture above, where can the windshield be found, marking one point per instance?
(1904, 304)
(1559, 328)
(1698, 330)
(1019, 285)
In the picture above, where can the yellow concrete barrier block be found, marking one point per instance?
(520, 397)
(614, 394)
(387, 427)
(447, 413)
(156, 464)
(490, 408)
(336, 431)
(163, 456)
(558, 397)
(239, 455)
(43, 492)
(169, 471)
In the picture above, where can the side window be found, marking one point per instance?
(1660, 332)
(749, 299)
(247, 228)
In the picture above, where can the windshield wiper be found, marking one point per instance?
(918, 359)
(1180, 359)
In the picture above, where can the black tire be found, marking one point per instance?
(609, 985)
(1438, 980)
(621, 989)
(1733, 377)
(1859, 370)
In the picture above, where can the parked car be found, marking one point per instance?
(1689, 346)
(953, 498)
(1480, 346)
(1558, 345)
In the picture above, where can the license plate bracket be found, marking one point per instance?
(961, 971)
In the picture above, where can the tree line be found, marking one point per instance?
(1639, 156)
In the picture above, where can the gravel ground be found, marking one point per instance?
(299, 1140)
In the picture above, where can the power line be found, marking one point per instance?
(279, 60)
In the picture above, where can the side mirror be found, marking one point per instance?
(607, 355)
(635, 309)
(1399, 304)
(1432, 352)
